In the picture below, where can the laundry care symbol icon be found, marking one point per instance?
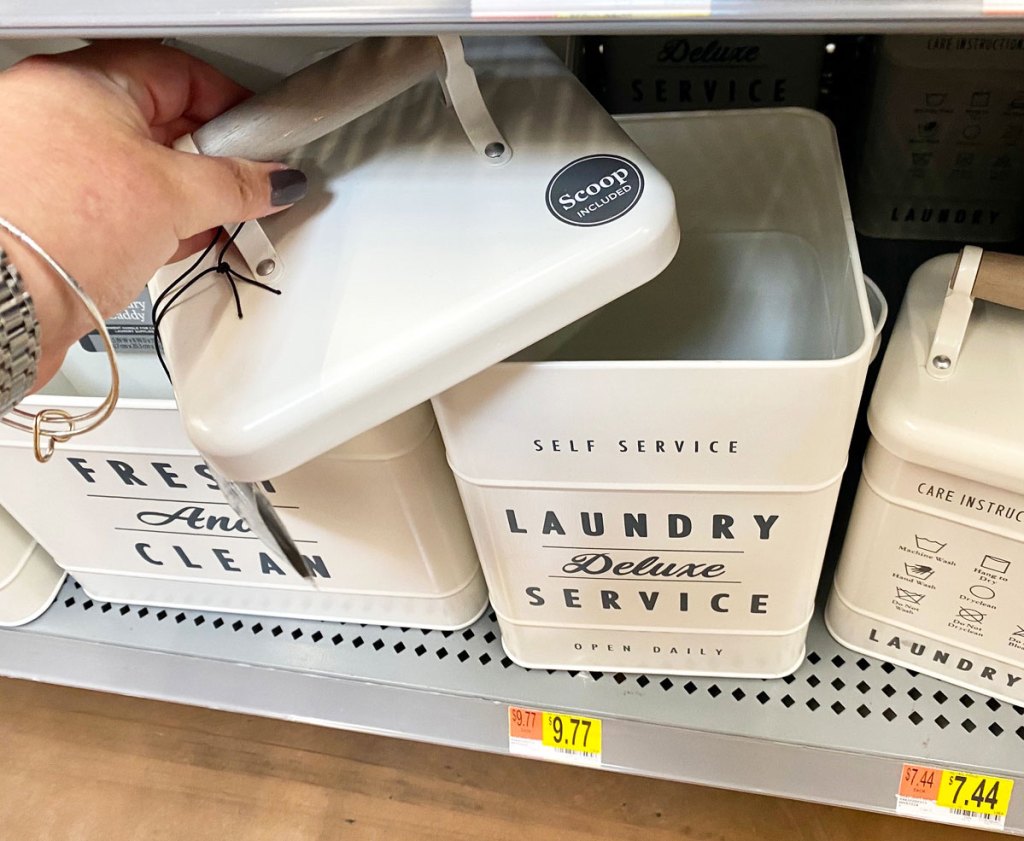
(1019, 632)
(926, 545)
(994, 564)
(919, 571)
(969, 614)
(983, 592)
(909, 596)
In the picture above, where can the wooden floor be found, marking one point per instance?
(81, 765)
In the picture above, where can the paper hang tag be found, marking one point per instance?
(130, 330)
(413, 263)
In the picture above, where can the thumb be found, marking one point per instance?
(218, 191)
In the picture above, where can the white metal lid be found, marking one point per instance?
(970, 423)
(414, 263)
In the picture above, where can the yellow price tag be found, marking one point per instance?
(974, 793)
(571, 732)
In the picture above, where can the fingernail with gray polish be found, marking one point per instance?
(287, 186)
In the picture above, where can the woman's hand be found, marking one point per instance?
(86, 170)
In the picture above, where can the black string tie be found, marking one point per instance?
(183, 282)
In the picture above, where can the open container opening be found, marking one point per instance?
(762, 272)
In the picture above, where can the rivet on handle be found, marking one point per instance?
(949, 335)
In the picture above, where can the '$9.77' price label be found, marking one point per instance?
(562, 737)
(571, 732)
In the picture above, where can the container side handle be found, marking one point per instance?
(462, 93)
(955, 316)
(252, 242)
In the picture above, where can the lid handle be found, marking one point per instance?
(1001, 280)
(343, 86)
(986, 275)
(321, 98)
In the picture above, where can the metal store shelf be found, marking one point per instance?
(120, 17)
(837, 731)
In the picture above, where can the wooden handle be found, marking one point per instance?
(1000, 280)
(320, 98)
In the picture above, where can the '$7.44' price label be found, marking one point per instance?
(974, 793)
(563, 737)
(954, 796)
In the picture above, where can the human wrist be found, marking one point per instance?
(61, 317)
(19, 337)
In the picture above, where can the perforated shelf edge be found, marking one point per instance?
(837, 731)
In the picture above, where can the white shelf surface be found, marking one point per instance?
(130, 17)
(838, 731)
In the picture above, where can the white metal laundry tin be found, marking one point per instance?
(29, 579)
(931, 571)
(942, 132)
(132, 512)
(651, 488)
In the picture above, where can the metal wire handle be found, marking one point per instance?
(52, 426)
